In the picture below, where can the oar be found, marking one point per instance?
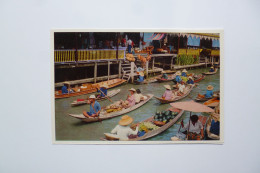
(105, 96)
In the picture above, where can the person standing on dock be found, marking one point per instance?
(129, 43)
(95, 108)
(168, 93)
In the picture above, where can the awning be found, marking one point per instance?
(157, 37)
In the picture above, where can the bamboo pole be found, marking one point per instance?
(119, 68)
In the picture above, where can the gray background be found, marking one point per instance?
(25, 125)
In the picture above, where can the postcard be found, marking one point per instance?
(137, 86)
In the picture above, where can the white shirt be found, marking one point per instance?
(123, 132)
(129, 42)
(194, 128)
(181, 88)
(138, 97)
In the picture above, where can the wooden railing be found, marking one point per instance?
(88, 55)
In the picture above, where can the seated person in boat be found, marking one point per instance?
(215, 124)
(95, 108)
(178, 78)
(130, 101)
(102, 90)
(64, 89)
(123, 129)
(140, 77)
(194, 128)
(168, 93)
(181, 88)
(164, 75)
(209, 92)
(139, 97)
(190, 81)
(184, 73)
(211, 69)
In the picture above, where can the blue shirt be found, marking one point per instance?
(165, 76)
(184, 74)
(64, 90)
(214, 127)
(209, 94)
(190, 81)
(211, 70)
(96, 106)
(178, 79)
(104, 90)
(141, 79)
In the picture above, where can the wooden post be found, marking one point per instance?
(172, 62)
(119, 69)
(178, 44)
(95, 73)
(153, 64)
(132, 72)
(206, 61)
(108, 70)
(147, 66)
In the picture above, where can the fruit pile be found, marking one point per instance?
(164, 116)
(146, 126)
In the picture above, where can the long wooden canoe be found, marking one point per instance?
(211, 73)
(152, 133)
(109, 94)
(170, 78)
(212, 102)
(177, 97)
(200, 77)
(89, 88)
(200, 99)
(104, 115)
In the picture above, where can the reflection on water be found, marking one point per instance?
(69, 128)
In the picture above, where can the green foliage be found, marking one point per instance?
(187, 59)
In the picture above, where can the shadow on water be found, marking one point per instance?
(79, 123)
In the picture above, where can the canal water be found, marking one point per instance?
(69, 128)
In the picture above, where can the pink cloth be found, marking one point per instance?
(167, 95)
(131, 100)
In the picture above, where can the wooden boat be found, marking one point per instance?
(200, 77)
(89, 88)
(170, 78)
(149, 80)
(212, 102)
(187, 92)
(170, 71)
(209, 135)
(104, 115)
(211, 73)
(109, 94)
(200, 99)
(152, 133)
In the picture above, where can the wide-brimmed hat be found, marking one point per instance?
(141, 73)
(66, 83)
(132, 89)
(210, 87)
(190, 77)
(211, 67)
(92, 97)
(185, 71)
(167, 87)
(178, 73)
(125, 120)
(105, 86)
(163, 72)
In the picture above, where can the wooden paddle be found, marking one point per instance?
(105, 95)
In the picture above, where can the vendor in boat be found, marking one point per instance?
(178, 78)
(211, 69)
(215, 124)
(102, 91)
(181, 88)
(130, 101)
(140, 77)
(190, 81)
(95, 108)
(123, 129)
(164, 75)
(184, 73)
(139, 96)
(209, 92)
(64, 89)
(194, 128)
(168, 93)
